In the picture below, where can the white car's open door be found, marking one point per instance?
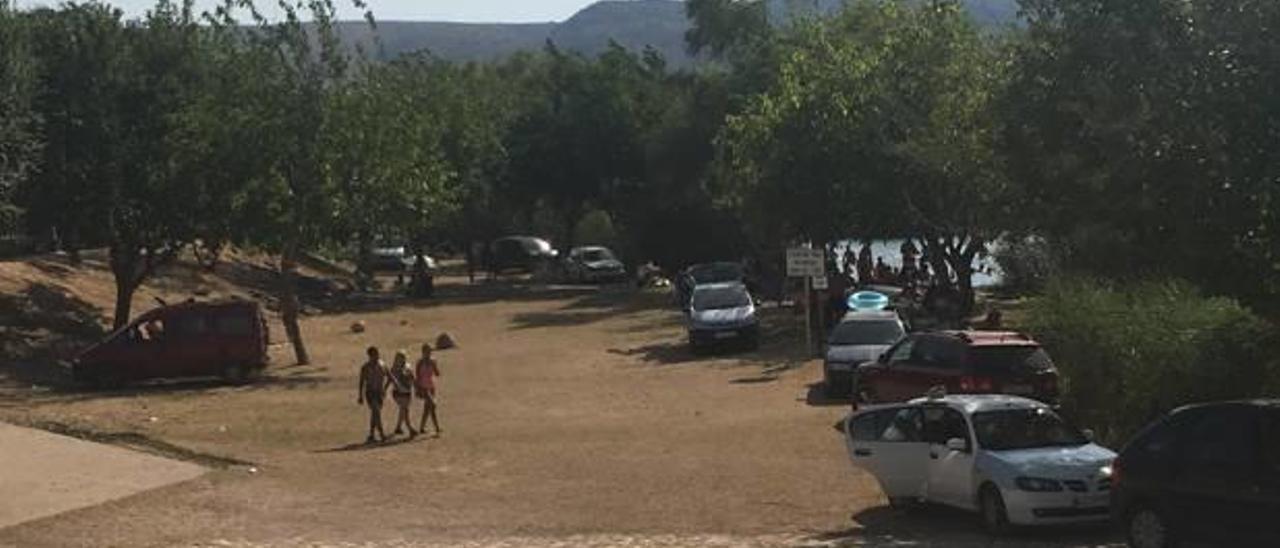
(887, 442)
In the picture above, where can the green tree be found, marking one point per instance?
(19, 143)
(878, 125)
(108, 96)
(1144, 134)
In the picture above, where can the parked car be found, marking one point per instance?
(594, 264)
(1208, 473)
(1010, 458)
(226, 339)
(723, 312)
(521, 253)
(706, 273)
(396, 259)
(965, 362)
(860, 337)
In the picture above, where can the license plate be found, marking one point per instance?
(1019, 389)
(726, 334)
(840, 367)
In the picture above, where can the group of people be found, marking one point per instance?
(405, 383)
(859, 267)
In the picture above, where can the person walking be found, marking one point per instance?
(401, 382)
(372, 388)
(425, 372)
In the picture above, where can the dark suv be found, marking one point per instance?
(1207, 473)
(965, 362)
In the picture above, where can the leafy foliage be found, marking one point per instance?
(1131, 351)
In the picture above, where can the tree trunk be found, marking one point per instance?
(289, 306)
(124, 268)
(124, 303)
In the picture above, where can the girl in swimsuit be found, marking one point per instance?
(370, 390)
(402, 392)
(427, 370)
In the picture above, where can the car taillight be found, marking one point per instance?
(976, 384)
(1048, 385)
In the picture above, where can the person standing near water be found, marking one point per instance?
(372, 388)
(425, 372)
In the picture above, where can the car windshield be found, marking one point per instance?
(720, 298)
(866, 332)
(716, 273)
(1009, 359)
(1012, 429)
(593, 255)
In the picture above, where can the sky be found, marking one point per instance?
(476, 11)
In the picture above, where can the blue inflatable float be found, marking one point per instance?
(868, 300)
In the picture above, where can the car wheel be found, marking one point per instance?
(903, 503)
(236, 374)
(995, 518)
(1148, 529)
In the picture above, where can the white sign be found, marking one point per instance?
(820, 283)
(804, 262)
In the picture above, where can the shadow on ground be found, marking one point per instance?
(931, 525)
(365, 446)
(42, 327)
(819, 396)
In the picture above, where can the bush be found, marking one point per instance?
(1025, 262)
(1128, 352)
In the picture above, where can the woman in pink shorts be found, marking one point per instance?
(424, 382)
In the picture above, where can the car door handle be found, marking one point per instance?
(862, 452)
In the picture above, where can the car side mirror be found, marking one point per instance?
(840, 426)
(958, 444)
(1089, 434)
(883, 358)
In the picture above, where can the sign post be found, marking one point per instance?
(810, 264)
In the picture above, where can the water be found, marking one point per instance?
(986, 275)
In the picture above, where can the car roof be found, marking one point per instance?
(977, 403)
(870, 315)
(719, 286)
(991, 338)
(1261, 402)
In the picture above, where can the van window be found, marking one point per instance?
(1006, 360)
(942, 424)
(191, 325)
(939, 352)
(901, 425)
(235, 325)
(1220, 439)
(1271, 447)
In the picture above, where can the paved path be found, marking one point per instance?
(42, 474)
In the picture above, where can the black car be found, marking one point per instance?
(1208, 473)
(522, 253)
(706, 273)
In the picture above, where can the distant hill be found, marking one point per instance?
(635, 24)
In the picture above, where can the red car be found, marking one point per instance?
(965, 362)
(226, 339)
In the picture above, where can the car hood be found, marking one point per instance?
(855, 353)
(1055, 462)
(606, 264)
(724, 315)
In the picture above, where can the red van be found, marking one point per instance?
(965, 362)
(227, 339)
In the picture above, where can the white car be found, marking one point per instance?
(861, 337)
(1012, 459)
(719, 313)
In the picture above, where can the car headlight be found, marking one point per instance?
(1038, 485)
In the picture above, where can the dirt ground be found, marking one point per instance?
(571, 416)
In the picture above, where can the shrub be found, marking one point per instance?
(1128, 352)
(1025, 262)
